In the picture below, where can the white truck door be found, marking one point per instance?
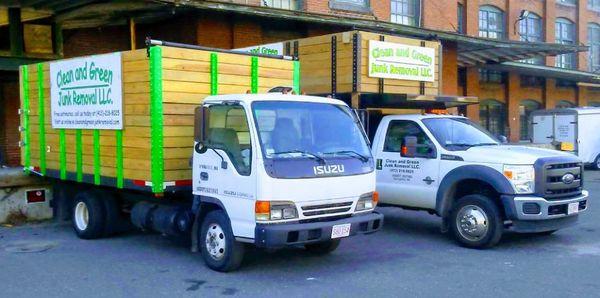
(565, 129)
(224, 168)
(402, 180)
(543, 129)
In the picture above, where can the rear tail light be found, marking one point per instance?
(36, 196)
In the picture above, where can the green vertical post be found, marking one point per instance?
(41, 118)
(119, 155)
(214, 74)
(156, 118)
(25, 113)
(296, 77)
(62, 139)
(79, 154)
(254, 75)
(96, 156)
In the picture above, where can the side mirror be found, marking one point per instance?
(409, 146)
(200, 124)
(503, 139)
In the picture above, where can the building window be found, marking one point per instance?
(594, 5)
(565, 34)
(405, 12)
(565, 83)
(594, 44)
(281, 4)
(525, 109)
(492, 115)
(491, 76)
(532, 81)
(362, 6)
(491, 22)
(563, 104)
(530, 30)
(461, 18)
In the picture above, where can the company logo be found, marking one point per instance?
(568, 178)
(328, 169)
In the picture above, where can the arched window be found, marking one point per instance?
(492, 115)
(530, 30)
(491, 22)
(565, 34)
(564, 104)
(525, 108)
(594, 44)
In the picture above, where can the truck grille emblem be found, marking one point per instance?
(568, 178)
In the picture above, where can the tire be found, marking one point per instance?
(89, 216)
(323, 248)
(220, 251)
(596, 164)
(476, 222)
(114, 220)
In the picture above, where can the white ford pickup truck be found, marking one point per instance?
(450, 166)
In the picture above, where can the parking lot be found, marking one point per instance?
(409, 257)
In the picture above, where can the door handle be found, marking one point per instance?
(428, 180)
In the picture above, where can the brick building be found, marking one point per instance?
(478, 37)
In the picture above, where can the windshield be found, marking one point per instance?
(458, 133)
(308, 130)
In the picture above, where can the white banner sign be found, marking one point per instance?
(401, 62)
(265, 49)
(86, 92)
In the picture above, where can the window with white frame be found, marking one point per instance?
(491, 22)
(594, 44)
(362, 6)
(460, 15)
(567, 2)
(282, 4)
(565, 34)
(594, 5)
(405, 12)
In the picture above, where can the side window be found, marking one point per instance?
(228, 130)
(398, 130)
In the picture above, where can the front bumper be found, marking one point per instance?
(288, 234)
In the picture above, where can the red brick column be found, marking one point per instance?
(472, 89)
(549, 92)
(582, 96)
(512, 102)
(549, 18)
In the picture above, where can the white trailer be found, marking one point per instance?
(569, 129)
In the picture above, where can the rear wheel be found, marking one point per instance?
(323, 248)
(476, 222)
(88, 216)
(220, 250)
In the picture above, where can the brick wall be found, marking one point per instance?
(81, 42)
(9, 117)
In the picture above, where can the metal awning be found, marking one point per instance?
(547, 71)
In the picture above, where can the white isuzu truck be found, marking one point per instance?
(274, 170)
(451, 167)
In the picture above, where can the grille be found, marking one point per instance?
(323, 209)
(551, 185)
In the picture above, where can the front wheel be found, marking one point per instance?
(220, 251)
(476, 222)
(323, 248)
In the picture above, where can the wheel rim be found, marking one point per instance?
(82, 216)
(215, 242)
(472, 222)
(598, 162)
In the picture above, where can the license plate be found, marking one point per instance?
(339, 231)
(573, 208)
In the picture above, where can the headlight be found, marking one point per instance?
(367, 201)
(276, 210)
(521, 177)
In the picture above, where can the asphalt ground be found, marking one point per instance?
(409, 257)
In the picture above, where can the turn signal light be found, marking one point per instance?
(262, 210)
(375, 197)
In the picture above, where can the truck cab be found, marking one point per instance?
(279, 170)
(451, 167)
